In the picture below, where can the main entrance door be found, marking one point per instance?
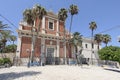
(50, 56)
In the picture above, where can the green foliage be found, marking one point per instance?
(3, 26)
(110, 53)
(6, 36)
(106, 38)
(93, 25)
(73, 9)
(1, 44)
(4, 61)
(9, 49)
(76, 40)
(1, 62)
(98, 38)
(62, 14)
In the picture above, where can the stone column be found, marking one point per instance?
(19, 43)
(43, 25)
(18, 47)
(42, 45)
(57, 32)
(58, 43)
(65, 52)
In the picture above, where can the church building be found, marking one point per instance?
(50, 42)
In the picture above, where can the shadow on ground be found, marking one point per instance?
(14, 75)
(115, 70)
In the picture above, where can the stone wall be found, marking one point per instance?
(7, 55)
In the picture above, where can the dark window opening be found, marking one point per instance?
(51, 25)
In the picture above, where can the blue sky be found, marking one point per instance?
(105, 13)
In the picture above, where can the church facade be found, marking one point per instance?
(50, 41)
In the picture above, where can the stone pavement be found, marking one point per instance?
(19, 73)
(61, 72)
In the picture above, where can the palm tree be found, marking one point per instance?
(2, 26)
(30, 16)
(73, 11)
(62, 16)
(92, 26)
(76, 41)
(106, 39)
(98, 38)
(38, 13)
(13, 38)
(5, 36)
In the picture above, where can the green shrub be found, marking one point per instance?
(1, 62)
(110, 53)
(6, 60)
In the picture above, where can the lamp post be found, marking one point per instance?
(28, 52)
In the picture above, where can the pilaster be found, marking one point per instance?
(43, 25)
(57, 32)
(42, 45)
(58, 43)
(18, 47)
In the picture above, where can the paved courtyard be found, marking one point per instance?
(61, 72)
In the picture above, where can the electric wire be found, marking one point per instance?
(8, 21)
(112, 28)
(109, 29)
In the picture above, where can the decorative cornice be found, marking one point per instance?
(88, 40)
(28, 33)
(52, 15)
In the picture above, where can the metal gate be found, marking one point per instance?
(50, 56)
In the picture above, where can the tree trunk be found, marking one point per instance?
(92, 40)
(38, 36)
(64, 44)
(4, 44)
(92, 46)
(76, 50)
(33, 42)
(76, 53)
(13, 47)
(69, 46)
(98, 46)
(70, 23)
(33, 48)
